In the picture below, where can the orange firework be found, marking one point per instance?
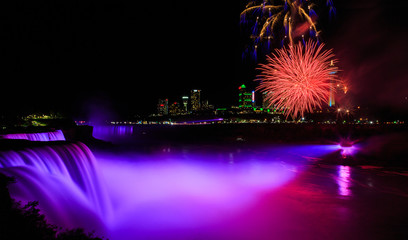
(298, 78)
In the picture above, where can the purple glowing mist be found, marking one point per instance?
(348, 147)
(347, 151)
(165, 193)
(171, 192)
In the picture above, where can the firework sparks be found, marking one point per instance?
(298, 78)
(282, 20)
(345, 109)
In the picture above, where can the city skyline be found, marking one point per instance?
(245, 99)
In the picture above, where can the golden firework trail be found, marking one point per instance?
(283, 21)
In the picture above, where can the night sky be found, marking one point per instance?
(117, 58)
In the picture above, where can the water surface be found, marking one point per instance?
(210, 190)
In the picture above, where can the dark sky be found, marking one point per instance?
(87, 57)
(370, 42)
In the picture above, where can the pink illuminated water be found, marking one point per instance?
(344, 180)
(195, 192)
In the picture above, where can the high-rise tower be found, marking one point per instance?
(331, 100)
(246, 98)
(185, 103)
(195, 100)
(163, 107)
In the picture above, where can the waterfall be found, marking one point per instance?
(64, 178)
(56, 135)
(113, 132)
(133, 195)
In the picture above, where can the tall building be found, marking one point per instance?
(195, 100)
(185, 103)
(205, 105)
(265, 101)
(246, 98)
(174, 108)
(163, 107)
(331, 100)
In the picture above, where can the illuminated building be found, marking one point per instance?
(265, 102)
(185, 103)
(163, 107)
(195, 100)
(205, 105)
(246, 98)
(332, 101)
(174, 108)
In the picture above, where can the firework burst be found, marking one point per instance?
(298, 78)
(282, 21)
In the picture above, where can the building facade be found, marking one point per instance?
(246, 98)
(331, 101)
(174, 109)
(185, 103)
(163, 107)
(195, 100)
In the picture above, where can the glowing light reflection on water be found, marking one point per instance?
(343, 180)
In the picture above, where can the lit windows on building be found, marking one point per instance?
(163, 107)
(185, 103)
(246, 98)
(174, 108)
(195, 100)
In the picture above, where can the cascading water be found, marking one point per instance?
(56, 135)
(130, 196)
(170, 193)
(63, 178)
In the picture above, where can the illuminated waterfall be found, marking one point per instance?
(56, 135)
(172, 191)
(63, 178)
